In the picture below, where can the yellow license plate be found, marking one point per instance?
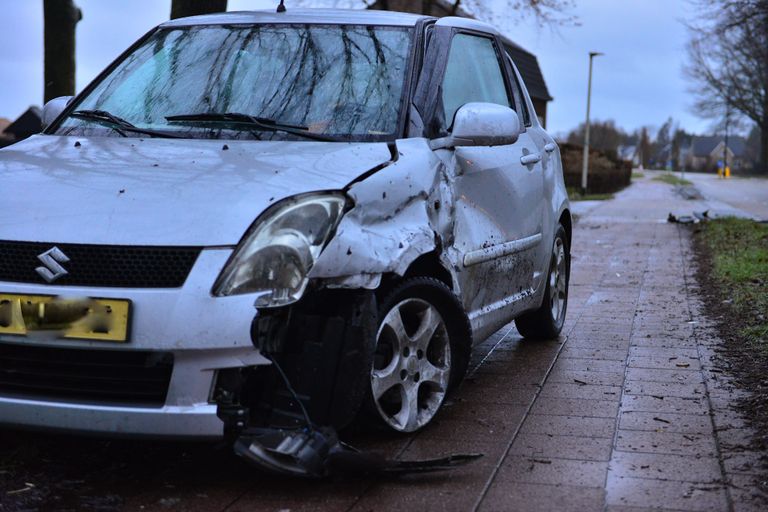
(85, 319)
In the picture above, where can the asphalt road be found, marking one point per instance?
(747, 195)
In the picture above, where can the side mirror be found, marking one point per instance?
(481, 124)
(54, 108)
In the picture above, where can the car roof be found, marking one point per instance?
(327, 16)
(303, 16)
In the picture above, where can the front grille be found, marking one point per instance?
(103, 377)
(112, 266)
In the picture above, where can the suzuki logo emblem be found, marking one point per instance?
(52, 259)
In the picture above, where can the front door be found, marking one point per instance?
(498, 191)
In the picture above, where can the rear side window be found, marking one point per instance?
(516, 83)
(473, 74)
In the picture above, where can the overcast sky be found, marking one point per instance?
(638, 82)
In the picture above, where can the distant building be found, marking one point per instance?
(526, 62)
(629, 153)
(27, 124)
(4, 139)
(706, 152)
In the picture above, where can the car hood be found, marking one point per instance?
(130, 191)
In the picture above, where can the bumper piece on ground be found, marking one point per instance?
(318, 453)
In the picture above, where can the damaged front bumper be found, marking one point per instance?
(161, 383)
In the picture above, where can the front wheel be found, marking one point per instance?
(547, 321)
(422, 347)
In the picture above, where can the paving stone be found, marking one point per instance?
(562, 447)
(575, 407)
(666, 422)
(494, 393)
(554, 471)
(649, 493)
(593, 353)
(686, 468)
(664, 389)
(666, 443)
(673, 404)
(535, 497)
(569, 425)
(574, 390)
(584, 377)
(565, 363)
(676, 376)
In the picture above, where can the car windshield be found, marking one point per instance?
(339, 82)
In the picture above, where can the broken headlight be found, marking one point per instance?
(279, 250)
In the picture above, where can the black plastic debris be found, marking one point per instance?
(318, 453)
(682, 219)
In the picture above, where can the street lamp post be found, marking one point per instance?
(585, 164)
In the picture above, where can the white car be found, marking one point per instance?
(353, 195)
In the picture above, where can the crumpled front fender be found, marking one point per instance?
(400, 213)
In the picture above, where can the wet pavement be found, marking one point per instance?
(626, 411)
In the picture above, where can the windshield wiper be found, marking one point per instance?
(118, 124)
(262, 123)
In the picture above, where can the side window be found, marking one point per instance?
(473, 74)
(516, 84)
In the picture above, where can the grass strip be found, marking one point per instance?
(738, 250)
(671, 179)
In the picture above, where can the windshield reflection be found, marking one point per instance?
(342, 81)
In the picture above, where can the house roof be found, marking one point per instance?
(703, 146)
(528, 65)
(26, 124)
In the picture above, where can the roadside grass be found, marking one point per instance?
(739, 254)
(574, 194)
(671, 179)
(637, 175)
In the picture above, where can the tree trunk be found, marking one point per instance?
(59, 18)
(183, 8)
(764, 147)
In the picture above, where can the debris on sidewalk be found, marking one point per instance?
(318, 453)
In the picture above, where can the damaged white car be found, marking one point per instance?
(275, 216)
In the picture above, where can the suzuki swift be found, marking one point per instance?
(275, 216)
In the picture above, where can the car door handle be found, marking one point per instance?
(529, 159)
(549, 147)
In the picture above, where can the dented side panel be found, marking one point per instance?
(399, 214)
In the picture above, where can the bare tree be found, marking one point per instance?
(183, 8)
(728, 62)
(604, 135)
(60, 18)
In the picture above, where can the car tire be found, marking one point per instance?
(547, 321)
(423, 342)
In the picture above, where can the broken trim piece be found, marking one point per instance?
(500, 250)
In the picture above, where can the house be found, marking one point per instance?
(4, 139)
(707, 152)
(629, 153)
(526, 62)
(27, 124)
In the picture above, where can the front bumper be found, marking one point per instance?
(203, 333)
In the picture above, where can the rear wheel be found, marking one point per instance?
(422, 347)
(547, 321)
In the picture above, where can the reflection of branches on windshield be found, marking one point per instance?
(221, 100)
(287, 92)
(226, 94)
(381, 77)
(159, 49)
